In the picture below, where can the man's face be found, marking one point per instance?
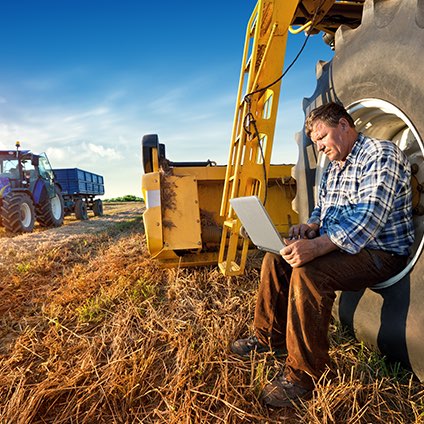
(332, 141)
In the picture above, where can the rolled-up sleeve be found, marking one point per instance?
(315, 216)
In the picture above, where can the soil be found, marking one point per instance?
(42, 239)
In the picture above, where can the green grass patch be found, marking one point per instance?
(23, 267)
(94, 310)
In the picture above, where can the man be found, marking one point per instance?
(358, 235)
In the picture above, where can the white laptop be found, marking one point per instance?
(257, 223)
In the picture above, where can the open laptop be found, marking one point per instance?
(257, 223)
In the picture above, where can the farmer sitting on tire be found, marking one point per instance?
(358, 235)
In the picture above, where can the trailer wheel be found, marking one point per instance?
(376, 74)
(81, 210)
(50, 212)
(98, 207)
(18, 214)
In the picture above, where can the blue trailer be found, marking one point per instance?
(79, 189)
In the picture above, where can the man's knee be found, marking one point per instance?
(273, 263)
(312, 279)
(271, 259)
(275, 269)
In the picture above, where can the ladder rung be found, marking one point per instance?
(234, 268)
(230, 223)
(247, 65)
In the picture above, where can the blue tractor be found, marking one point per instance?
(28, 192)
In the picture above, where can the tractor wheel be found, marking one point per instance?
(18, 214)
(81, 210)
(376, 74)
(98, 207)
(50, 213)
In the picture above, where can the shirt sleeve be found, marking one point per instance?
(376, 194)
(315, 216)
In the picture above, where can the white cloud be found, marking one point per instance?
(56, 155)
(7, 132)
(79, 153)
(104, 152)
(168, 103)
(88, 114)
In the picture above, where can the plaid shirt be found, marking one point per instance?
(367, 202)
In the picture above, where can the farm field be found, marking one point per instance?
(93, 331)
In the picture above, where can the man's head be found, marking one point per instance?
(332, 129)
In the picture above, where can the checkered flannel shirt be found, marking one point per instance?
(367, 202)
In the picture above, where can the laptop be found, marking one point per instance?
(257, 223)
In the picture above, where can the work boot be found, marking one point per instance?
(243, 347)
(282, 392)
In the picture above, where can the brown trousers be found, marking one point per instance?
(293, 308)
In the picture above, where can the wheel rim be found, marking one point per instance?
(380, 119)
(56, 207)
(25, 212)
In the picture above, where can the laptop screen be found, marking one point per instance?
(257, 223)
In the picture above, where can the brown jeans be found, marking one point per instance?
(293, 308)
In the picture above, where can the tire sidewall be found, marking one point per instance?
(12, 219)
(58, 220)
(81, 210)
(98, 207)
(27, 204)
(383, 59)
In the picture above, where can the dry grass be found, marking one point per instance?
(95, 333)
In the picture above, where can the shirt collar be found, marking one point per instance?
(352, 157)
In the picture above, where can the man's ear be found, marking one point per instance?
(344, 124)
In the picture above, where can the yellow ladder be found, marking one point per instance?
(250, 153)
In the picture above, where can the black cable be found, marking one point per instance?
(260, 90)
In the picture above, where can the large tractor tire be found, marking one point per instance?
(376, 74)
(18, 214)
(81, 212)
(50, 212)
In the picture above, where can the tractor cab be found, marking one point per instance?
(21, 170)
(12, 170)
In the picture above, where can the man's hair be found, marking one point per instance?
(329, 114)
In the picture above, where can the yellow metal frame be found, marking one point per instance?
(176, 203)
(249, 157)
(152, 216)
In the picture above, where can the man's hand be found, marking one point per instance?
(301, 251)
(304, 231)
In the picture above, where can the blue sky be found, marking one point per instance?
(84, 80)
